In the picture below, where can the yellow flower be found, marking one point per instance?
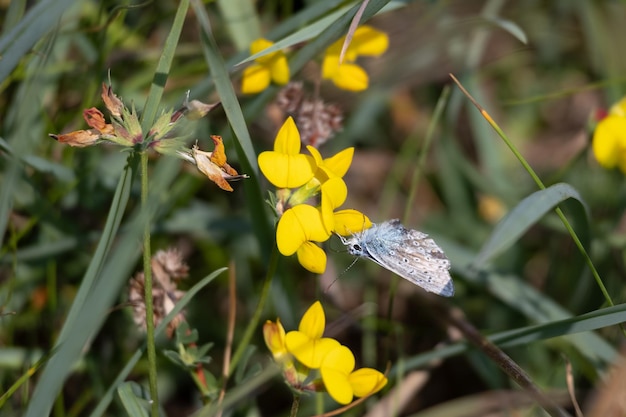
(342, 382)
(348, 75)
(307, 344)
(274, 335)
(609, 140)
(285, 166)
(297, 229)
(270, 67)
(301, 225)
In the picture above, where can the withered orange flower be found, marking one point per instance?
(95, 119)
(124, 130)
(79, 138)
(214, 165)
(111, 101)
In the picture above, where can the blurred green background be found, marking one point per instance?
(543, 70)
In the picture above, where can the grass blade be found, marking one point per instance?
(528, 212)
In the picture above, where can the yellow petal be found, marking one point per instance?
(366, 381)
(351, 77)
(297, 225)
(317, 156)
(348, 222)
(307, 351)
(330, 66)
(340, 359)
(328, 215)
(337, 385)
(274, 335)
(369, 41)
(335, 191)
(313, 321)
(340, 162)
(609, 140)
(280, 70)
(335, 369)
(619, 108)
(312, 257)
(288, 138)
(255, 79)
(286, 171)
(260, 45)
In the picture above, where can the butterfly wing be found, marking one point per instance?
(412, 255)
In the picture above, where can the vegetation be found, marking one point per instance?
(202, 164)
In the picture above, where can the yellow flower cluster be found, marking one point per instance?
(334, 362)
(299, 178)
(347, 75)
(270, 67)
(609, 138)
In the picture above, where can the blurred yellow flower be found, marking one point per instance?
(609, 138)
(307, 344)
(342, 382)
(270, 67)
(347, 75)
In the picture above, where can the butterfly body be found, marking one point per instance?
(409, 253)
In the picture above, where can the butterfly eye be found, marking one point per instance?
(356, 247)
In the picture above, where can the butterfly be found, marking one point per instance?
(409, 253)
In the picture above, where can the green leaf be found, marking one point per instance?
(528, 212)
(36, 24)
(569, 327)
(510, 27)
(134, 406)
(243, 142)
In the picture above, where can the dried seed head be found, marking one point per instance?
(168, 268)
(317, 121)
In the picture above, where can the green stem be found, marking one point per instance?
(256, 317)
(147, 274)
(295, 405)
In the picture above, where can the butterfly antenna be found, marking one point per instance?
(343, 272)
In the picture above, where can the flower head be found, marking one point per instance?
(347, 75)
(307, 343)
(312, 351)
(301, 226)
(269, 67)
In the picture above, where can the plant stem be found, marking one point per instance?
(254, 321)
(295, 405)
(147, 274)
(502, 360)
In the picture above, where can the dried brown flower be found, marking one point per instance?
(317, 121)
(168, 268)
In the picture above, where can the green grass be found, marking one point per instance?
(532, 225)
